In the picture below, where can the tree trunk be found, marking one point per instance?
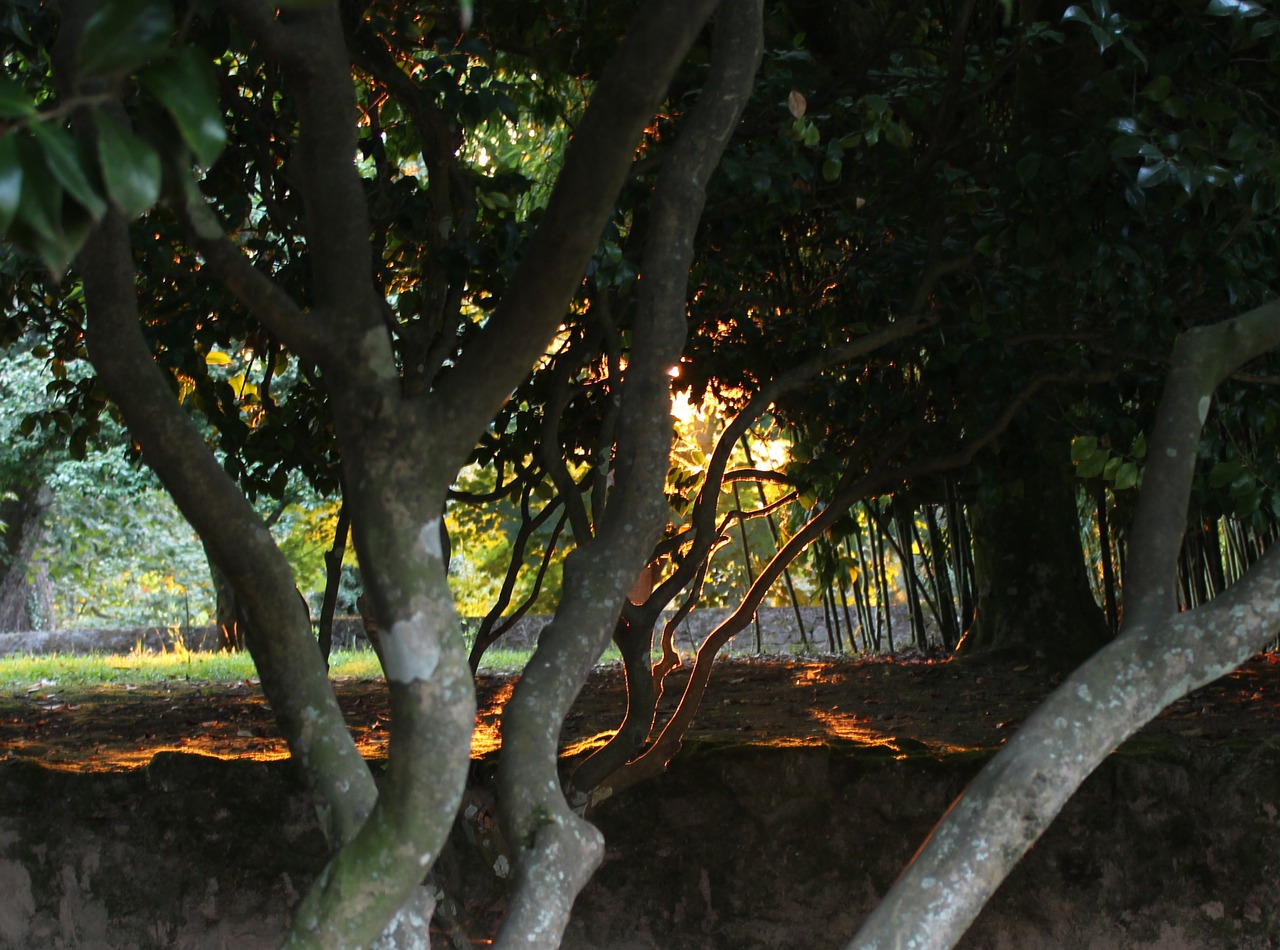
(1034, 598)
(332, 581)
(556, 851)
(22, 517)
(1159, 656)
(228, 616)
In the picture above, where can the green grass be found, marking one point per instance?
(22, 671)
(138, 669)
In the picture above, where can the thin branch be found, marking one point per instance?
(257, 293)
(595, 168)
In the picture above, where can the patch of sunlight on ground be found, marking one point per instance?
(487, 737)
(123, 760)
(848, 727)
(589, 744)
(817, 673)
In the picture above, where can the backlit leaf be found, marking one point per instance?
(796, 104)
(1091, 466)
(1083, 446)
(1126, 476)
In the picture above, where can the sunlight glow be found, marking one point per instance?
(487, 737)
(126, 759)
(589, 744)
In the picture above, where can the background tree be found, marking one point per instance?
(27, 461)
(411, 380)
(989, 225)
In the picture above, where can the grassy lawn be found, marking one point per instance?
(21, 671)
(140, 668)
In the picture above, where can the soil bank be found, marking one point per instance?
(737, 847)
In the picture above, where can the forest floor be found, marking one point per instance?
(900, 706)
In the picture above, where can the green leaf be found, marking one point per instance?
(1139, 449)
(10, 180)
(123, 35)
(1158, 89)
(1083, 447)
(1151, 175)
(63, 158)
(1244, 486)
(130, 167)
(1224, 473)
(1113, 466)
(1240, 8)
(14, 101)
(1134, 51)
(1126, 476)
(1091, 466)
(184, 86)
(40, 206)
(52, 228)
(831, 169)
(1074, 12)
(1028, 167)
(59, 249)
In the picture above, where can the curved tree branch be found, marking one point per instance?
(255, 291)
(595, 168)
(555, 851)
(850, 488)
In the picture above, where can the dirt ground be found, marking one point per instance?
(900, 706)
(814, 782)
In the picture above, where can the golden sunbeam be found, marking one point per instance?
(589, 744)
(848, 727)
(487, 737)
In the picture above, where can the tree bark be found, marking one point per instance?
(554, 851)
(332, 581)
(1034, 598)
(1159, 656)
(227, 615)
(400, 450)
(23, 520)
